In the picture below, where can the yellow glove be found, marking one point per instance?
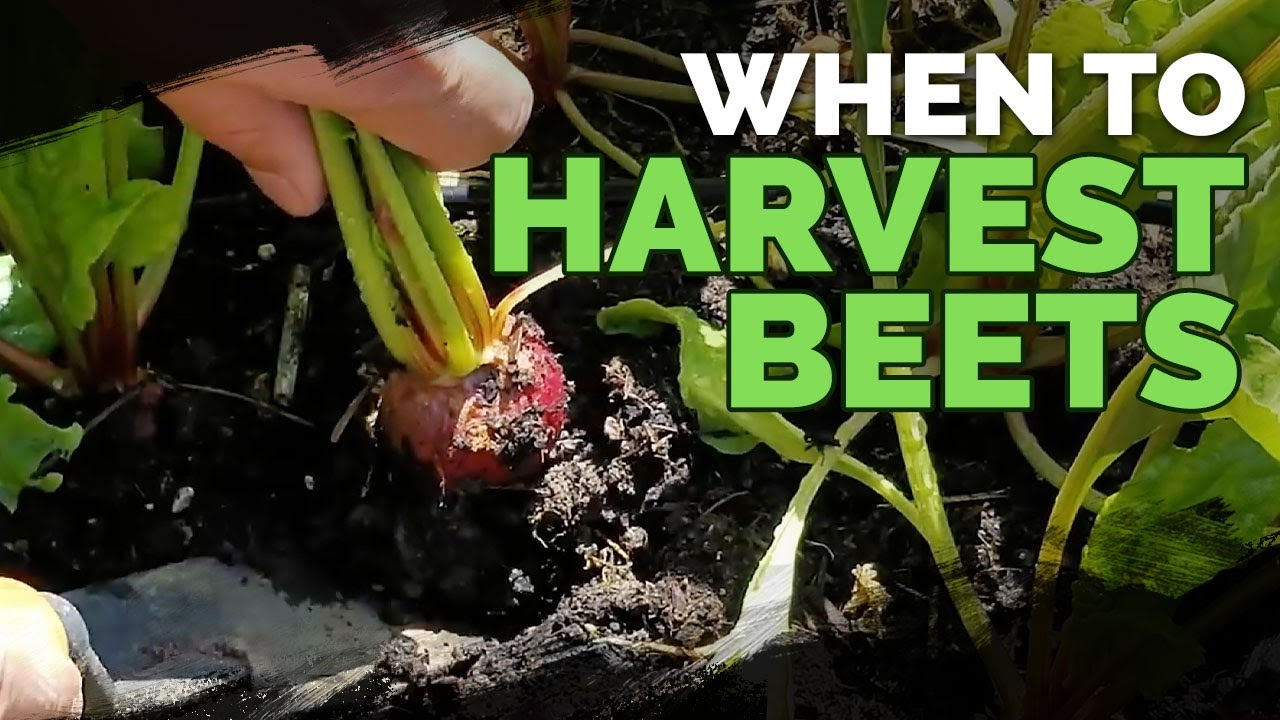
(38, 680)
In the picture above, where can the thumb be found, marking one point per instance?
(271, 138)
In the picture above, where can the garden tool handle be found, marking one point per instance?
(98, 687)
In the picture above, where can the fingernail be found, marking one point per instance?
(285, 193)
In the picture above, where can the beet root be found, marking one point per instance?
(496, 425)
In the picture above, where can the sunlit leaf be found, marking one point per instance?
(22, 320)
(1187, 514)
(26, 442)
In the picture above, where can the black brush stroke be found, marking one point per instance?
(62, 60)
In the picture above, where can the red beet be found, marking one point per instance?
(496, 425)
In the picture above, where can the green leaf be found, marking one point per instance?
(868, 25)
(60, 214)
(1186, 515)
(26, 441)
(1149, 20)
(766, 606)
(869, 33)
(154, 221)
(1238, 30)
(22, 320)
(1247, 262)
(146, 145)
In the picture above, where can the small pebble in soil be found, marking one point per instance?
(182, 499)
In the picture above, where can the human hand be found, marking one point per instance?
(38, 680)
(453, 106)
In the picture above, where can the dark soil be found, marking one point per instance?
(636, 532)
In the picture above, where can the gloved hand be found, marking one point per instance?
(38, 679)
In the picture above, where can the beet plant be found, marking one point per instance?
(1190, 510)
(479, 395)
(89, 235)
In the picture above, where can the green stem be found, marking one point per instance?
(789, 443)
(1161, 440)
(1020, 37)
(425, 197)
(117, 321)
(1264, 70)
(627, 46)
(100, 333)
(932, 523)
(359, 233)
(185, 173)
(927, 496)
(413, 259)
(594, 136)
(634, 86)
(1097, 454)
(1043, 464)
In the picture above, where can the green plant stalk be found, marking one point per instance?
(633, 86)
(1041, 462)
(153, 277)
(1264, 71)
(1161, 440)
(414, 261)
(1088, 466)
(115, 327)
(1020, 37)
(933, 526)
(866, 31)
(594, 136)
(627, 46)
(99, 334)
(792, 446)
(1118, 9)
(927, 496)
(421, 186)
(364, 245)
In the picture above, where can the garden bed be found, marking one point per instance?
(636, 532)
